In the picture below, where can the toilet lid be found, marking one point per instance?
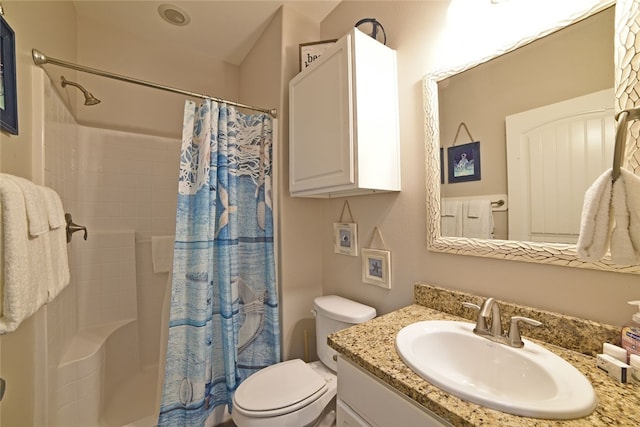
(280, 386)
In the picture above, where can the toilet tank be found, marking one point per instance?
(334, 313)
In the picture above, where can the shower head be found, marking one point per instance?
(89, 99)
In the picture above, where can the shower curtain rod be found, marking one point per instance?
(40, 59)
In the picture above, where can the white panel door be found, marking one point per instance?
(554, 153)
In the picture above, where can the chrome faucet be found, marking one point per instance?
(495, 332)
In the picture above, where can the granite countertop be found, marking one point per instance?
(371, 346)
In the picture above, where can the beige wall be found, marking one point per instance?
(129, 107)
(55, 27)
(412, 29)
(299, 220)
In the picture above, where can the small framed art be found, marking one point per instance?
(464, 162)
(309, 52)
(8, 93)
(345, 238)
(441, 165)
(376, 267)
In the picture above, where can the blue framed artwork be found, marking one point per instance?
(8, 93)
(441, 165)
(464, 162)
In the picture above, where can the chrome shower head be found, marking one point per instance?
(89, 99)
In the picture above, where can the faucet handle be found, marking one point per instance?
(471, 305)
(481, 322)
(515, 340)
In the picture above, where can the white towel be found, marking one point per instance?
(37, 215)
(162, 253)
(26, 265)
(55, 211)
(623, 249)
(58, 242)
(450, 218)
(596, 220)
(477, 219)
(632, 190)
(450, 208)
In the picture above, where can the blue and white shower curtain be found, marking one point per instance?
(224, 304)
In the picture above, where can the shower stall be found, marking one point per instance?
(101, 340)
(104, 337)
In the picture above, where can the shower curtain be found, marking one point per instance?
(223, 323)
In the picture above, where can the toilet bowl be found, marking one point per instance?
(291, 393)
(295, 393)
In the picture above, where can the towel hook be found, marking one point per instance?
(72, 228)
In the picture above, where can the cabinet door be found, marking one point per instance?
(378, 403)
(321, 151)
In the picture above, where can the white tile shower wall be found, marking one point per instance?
(109, 181)
(59, 143)
(129, 181)
(105, 270)
(79, 392)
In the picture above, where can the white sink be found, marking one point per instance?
(530, 381)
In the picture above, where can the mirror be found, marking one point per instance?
(539, 252)
(538, 77)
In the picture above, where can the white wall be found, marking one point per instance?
(413, 29)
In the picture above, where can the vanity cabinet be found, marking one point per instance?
(364, 400)
(343, 121)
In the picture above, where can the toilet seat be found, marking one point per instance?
(279, 389)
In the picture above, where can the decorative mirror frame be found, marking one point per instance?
(627, 13)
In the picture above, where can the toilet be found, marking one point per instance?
(295, 393)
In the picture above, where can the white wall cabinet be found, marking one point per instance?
(343, 121)
(365, 401)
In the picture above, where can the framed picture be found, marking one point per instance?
(464, 162)
(8, 94)
(345, 238)
(441, 165)
(376, 267)
(309, 52)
